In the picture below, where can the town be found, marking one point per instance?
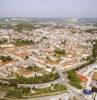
(48, 59)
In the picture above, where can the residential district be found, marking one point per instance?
(48, 59)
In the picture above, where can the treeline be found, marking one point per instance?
(18, 27)
(94, 50)
(24, 26)
(35, 80)
(5, 58)
(20, 42)
(90, 30)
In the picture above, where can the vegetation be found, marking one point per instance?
(91, 30)
(23, 26)
(3, 41)
(14, 92)
(74, 80)
(20, 42)
(1, 26)
(60, 51)
(34, 68)
(89, 61)
(51, 89)
(48, 58)
(27, 57)
(94, 50)
(95, 24)
(59, 87)
(5, 58)
(37, 79)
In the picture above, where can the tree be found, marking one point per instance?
(23, 26)
(60, 51)
(94, 50)
(5, 58)
(27, 57)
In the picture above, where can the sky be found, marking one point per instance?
(48, 8)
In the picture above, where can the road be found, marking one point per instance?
(43, 85)
(2, 94)
(63, 96)
(75, 92)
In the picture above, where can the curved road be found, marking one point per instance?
(43, 85)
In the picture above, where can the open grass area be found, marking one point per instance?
(17, 93)
(13, 91)
(38, 79)
(74, 80)
(51, 89)
(47, 77)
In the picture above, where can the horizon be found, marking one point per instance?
(53, 17)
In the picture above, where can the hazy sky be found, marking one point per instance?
(48, 8)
